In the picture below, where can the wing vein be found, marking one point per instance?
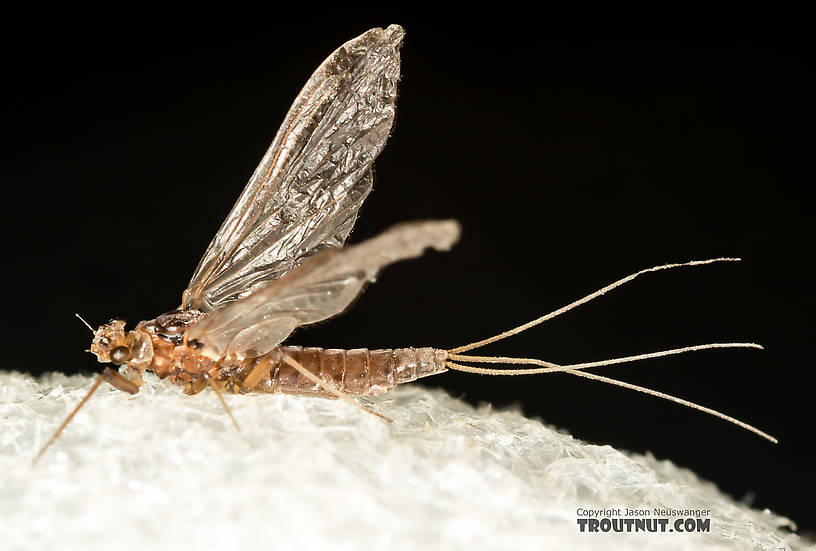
(305, 194)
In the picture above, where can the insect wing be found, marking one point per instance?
(320, 288)
(305, 193)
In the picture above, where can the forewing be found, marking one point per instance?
(320, 288)
(305, 193)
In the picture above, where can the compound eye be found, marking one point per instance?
(119, 355)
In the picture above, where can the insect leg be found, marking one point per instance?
(261, 370)
(108, 375)
(119, 382)
(211, 379)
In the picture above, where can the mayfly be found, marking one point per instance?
(278, 262)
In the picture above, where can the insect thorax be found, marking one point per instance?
(166, 333)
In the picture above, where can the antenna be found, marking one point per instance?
(88, 325)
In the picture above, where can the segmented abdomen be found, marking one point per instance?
(359, 372)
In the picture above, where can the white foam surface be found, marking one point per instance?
(161, 470)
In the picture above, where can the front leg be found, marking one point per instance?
(119, 382)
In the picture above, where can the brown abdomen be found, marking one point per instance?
(359, 372)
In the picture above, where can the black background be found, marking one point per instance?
(571, 158)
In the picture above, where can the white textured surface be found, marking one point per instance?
(161, 469)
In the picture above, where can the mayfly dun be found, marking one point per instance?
(278, 262)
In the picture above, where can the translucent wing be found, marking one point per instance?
(305, 193)
(322, 287)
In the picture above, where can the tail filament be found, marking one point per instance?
(455, 354)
